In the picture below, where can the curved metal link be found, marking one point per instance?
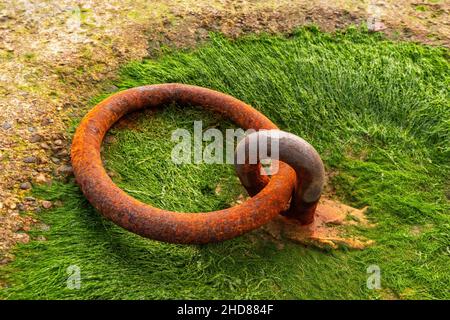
(297, 153)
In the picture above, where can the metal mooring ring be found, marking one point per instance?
(270, 196)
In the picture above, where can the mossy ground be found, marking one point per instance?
(378, 113)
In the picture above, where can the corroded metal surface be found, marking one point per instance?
(297, 153)
(270, 197)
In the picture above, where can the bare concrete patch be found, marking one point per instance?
(327, 229)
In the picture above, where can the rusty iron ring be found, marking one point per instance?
(270, 196)
(297, 153)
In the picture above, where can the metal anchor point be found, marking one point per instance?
(270, 197)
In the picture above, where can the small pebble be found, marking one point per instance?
(58, 142)
(111, 88)
(41, 178)
(45, 146)
(62, 153)
(7, 126)
(25, 186)
(35, 138)
(4, 18)
(56, 160)
(44, 227)
(65, 169)
(46, 121)
(109, 139)
(22, 237)
(30, 159)
(46, 204)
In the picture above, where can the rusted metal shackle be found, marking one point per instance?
(297, 153)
